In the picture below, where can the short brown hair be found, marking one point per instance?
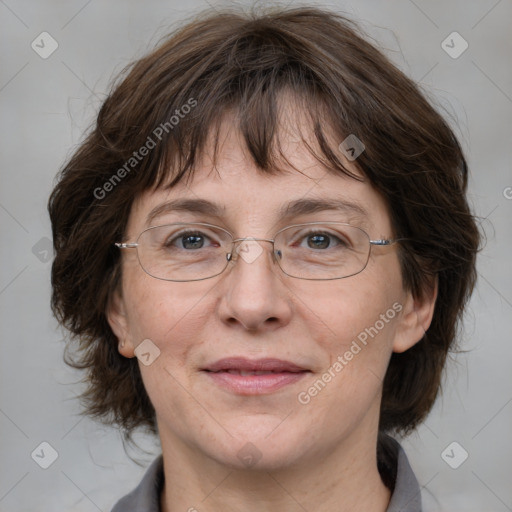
(243, 63)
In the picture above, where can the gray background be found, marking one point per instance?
(47, 103)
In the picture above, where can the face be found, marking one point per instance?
(327, 343)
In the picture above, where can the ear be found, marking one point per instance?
(116, 316)
(416, 317)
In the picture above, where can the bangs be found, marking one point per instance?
(262, 120)
(259, 81)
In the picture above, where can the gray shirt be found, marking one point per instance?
(146, 496)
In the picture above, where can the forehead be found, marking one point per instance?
(235, 192)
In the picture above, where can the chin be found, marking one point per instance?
(262, 447)
(257, 458)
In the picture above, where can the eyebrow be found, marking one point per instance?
(310, 205)
(292, 209)
(198, 206)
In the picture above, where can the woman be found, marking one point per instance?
(264, 249)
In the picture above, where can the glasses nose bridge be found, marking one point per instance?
(234, 254)
(252, 238)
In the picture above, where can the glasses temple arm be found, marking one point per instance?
(122, 245)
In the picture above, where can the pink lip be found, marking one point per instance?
(278, 373)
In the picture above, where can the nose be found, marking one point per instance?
(254, 297)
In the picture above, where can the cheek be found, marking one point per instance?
(167, 313)
(354, 322)
(356, 360)
(342, 310)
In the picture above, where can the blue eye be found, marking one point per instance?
(194, 241)
(318, 241)
(188, 240)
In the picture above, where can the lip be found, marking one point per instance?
(254, 376)
(254, 365)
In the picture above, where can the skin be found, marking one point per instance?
(319, 456)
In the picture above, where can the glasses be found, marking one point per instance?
(196, 251)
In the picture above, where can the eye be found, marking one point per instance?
(188, 240)
(323, 240)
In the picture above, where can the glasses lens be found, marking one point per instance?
(184, 252)
(327, 250)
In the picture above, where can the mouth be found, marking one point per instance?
(254, 377)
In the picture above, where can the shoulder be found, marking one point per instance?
(146, 496)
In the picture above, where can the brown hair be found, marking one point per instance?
(244, 62)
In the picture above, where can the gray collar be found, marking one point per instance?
(146, 496)
(407, 494)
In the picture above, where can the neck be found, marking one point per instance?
(343, 480)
